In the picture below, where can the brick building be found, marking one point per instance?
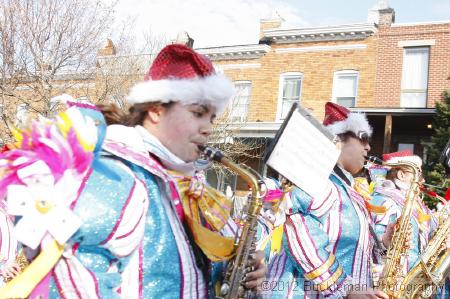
(395, 73)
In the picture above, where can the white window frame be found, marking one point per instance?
(421, 91)
(243, 118)
(284, 76)
(335, 80)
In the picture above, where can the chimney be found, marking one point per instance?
(108, 50)
(272, 22)
(381, 14)
(387, 17)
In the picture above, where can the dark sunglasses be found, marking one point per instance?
(363, 137)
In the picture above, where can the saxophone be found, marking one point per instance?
(433, 265)
(232, 286)
(22, 261)
(392, 275)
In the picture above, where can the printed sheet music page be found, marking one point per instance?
(304, 155)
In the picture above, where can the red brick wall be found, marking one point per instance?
(317, 68)
(390, 59)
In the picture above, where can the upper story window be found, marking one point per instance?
(241, 101)
(415, 77)
(21, 114)
(345, 88)
(289, 92)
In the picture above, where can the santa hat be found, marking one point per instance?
(179, 74)
(403, 156)
(340, 120)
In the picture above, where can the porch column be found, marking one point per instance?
(387, 133)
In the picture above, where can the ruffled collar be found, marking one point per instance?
(167, 158)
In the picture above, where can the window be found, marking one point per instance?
(415, 77)
(289, 93)
(406, 146)
(345, 88)
(241, 100)
(22, 114)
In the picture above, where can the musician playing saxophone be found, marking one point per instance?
(391, 194)
(188, 224)
(327, 241)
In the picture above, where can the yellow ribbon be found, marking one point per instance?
(277, 238)
(199, 202)
(22, 285)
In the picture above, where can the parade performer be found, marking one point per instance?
(391, 194)
(81, 211)
(188, 223)
(328, 244)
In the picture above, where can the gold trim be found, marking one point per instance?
(322, 269)
(329, 282)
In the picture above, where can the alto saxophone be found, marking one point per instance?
(433, 265)
(232, 286)
(21, 261)
(392, 275)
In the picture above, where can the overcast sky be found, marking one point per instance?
(236, 22)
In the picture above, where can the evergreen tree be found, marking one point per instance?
(434, 171)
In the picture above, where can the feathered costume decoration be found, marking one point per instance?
(41, 175)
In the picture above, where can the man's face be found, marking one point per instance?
(182, 128)
(353, 152)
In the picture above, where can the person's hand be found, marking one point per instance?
(255, 278)
(10, 271)
(389, 233)
(369, 293)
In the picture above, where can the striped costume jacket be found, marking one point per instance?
(165, 265)
(327, 245)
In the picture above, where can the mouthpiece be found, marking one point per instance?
(211, 153)
(374, 159)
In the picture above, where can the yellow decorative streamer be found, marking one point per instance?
(277, 238)
(22, 285)
(365, 190)
(201, 201)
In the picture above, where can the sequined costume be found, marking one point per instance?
(327, 245)
(167, 257)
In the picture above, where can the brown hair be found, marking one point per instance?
(135, 116)
(392, 173)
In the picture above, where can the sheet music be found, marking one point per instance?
(304, 155)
